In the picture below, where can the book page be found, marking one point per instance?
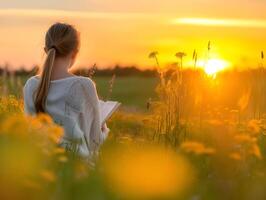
(107, 108)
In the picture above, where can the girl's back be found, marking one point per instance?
(73, 103)
(70, 100)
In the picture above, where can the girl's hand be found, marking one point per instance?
(104, 128)
(105, 131)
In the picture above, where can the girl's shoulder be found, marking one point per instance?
(80, 90)
(32, 78)
(83, 83)
(86, 81)
(31, 82)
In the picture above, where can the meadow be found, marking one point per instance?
(182, 135)
(128, 90)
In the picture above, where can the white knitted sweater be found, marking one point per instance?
(73, 104)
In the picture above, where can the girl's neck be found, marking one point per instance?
(60, 68)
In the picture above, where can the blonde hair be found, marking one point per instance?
(61, 39)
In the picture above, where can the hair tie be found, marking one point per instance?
(53, 47)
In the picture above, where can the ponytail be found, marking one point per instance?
(60, 41)
(43, 88)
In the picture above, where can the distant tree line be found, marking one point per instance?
(22, 71)
(90, 71)
(117, 70)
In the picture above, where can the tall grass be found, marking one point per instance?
(190, 96)
(215, 127)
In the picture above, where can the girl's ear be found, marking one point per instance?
(74, 55)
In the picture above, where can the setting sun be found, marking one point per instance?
(213, 66)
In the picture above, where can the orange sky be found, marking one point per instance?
(124, 31)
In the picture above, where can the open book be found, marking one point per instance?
(107, 108)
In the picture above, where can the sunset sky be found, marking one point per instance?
(126, 31)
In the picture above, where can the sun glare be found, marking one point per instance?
(215, 65)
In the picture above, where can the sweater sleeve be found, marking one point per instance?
(29, 108)
(93, 134)
(26, 106)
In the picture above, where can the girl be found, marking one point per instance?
(70, 100)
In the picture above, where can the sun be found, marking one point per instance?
(215, 65)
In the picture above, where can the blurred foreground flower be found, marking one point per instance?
(147, 172)
(28, 147)
(48, 175)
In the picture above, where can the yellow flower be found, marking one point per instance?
(48, 175)
(32, 184)
(59, 150)
(215, 122)
(55, 133)
(235, 156)
(245, 138)
(81, 169)
(244, 100)
(44, 118)
(14, 125)
(249, 145)
(147, 172)
(197, 148)
(255, 150)
(254, 126)
(62, 159)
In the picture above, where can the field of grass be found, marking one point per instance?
(203, 138)
(132, 92)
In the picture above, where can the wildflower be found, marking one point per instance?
(198, 99)
(32, 184)
(44, 118)
(154, 55)
(249, 145)
(48, 175)
(245, 138)
(147, 172)
(197, 148)
(81, 170)
(59, 150)
(63, 159)
(148, 105)
(56, 133)
(92, 71)
(209, 45)
(244, 100)
(146, 121)
(180, 55)
(13, 126)
(235, 156)
(255, 150)
(215, 122)
(111, 86)
(195, 58)
(234, 111)
(254, 126)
